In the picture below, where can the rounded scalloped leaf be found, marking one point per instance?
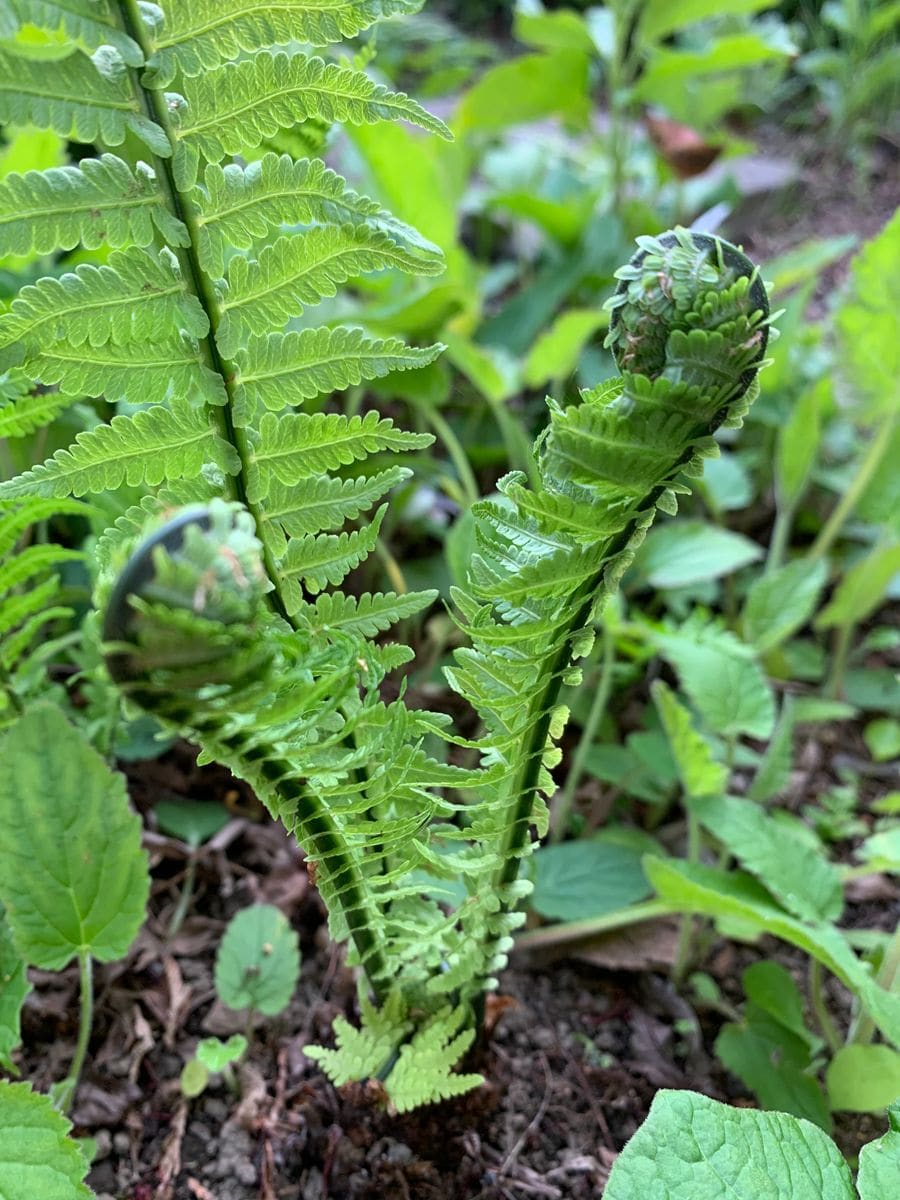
(258, 962)
(38, 1161)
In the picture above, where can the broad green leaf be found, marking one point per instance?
(662, 17)
(691, 1146)
(781, 601)
(863, 1079)
(216, 1054)
(862, 588)
(726, 483)
(722, 681)
(73, 876)
(700, 774)
(866, 324)
(805, 262)
(526, 89)
(879, 1162)
(778, 1084)
(683, 552)
(258, 961)
(801, 879)
(37, 1159)
(798, 443)
(563, 30)
(881, 851)
(14, 987)
(772, 988)
(774, 772)
(883, 739)
(194, 821)
(556, 352)
(723, 894)
(583, 879)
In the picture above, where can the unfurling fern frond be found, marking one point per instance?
(196, 644)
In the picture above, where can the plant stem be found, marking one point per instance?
(85, 1018)
(781, 530)
(843, 638)
(819, 1006)
(575, 931)
(588, 736)
(868, 466)
(187, 894)
(688, 921)
(863, 1027)
(455, 450)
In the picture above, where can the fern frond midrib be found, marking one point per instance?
(155, 107)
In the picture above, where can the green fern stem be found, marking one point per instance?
(189, 640)
(153, 102)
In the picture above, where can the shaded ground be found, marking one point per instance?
(576, 1052)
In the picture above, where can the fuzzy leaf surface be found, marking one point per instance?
(37, 1158)
(693, 1146)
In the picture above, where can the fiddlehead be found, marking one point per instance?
(689, 329)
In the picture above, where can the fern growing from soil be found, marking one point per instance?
(224, 618)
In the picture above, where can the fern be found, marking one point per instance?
(29, 598)
(222, 620)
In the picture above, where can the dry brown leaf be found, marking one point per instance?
(179, 1002)
(255, 1099)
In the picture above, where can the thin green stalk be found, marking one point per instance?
(85, 1019)
(588, 737)
(781, 532)
(187, 894)
(863, 1027)
(688, 921)
(575, 931)
(820, 1007)
(842, 641)
(865, 472)
(455, 450)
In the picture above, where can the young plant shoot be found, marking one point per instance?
(294, 706)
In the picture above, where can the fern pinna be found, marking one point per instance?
(223, 617)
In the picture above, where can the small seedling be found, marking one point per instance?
(194, 822)
(212, 1057)
(258, 962)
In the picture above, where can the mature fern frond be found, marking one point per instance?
(132, 371)
(102, 200)
(362, 616)
(159, 443)
(201, 34)
(321, 502)
(83, 21)
(282, 369)
(294, 447)
(237, 106)
(236, 205)
(87, 99)
(303, 269)
(319, 559)
(128, 299)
